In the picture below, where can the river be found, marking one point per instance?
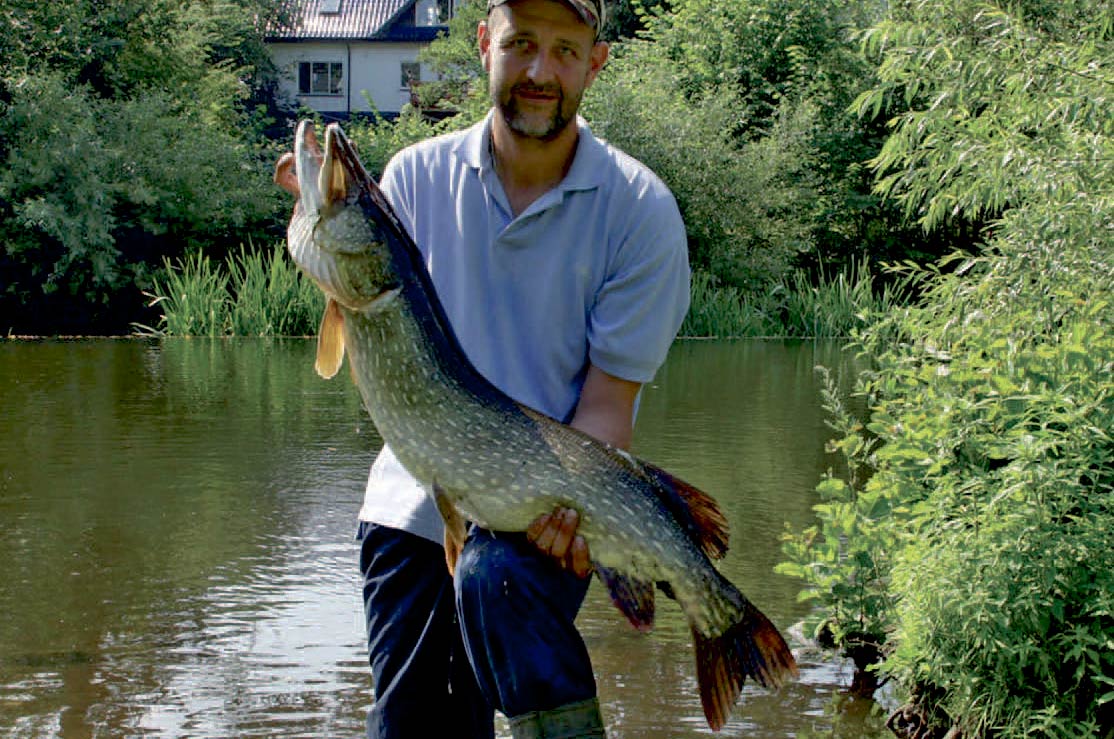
(177, 554)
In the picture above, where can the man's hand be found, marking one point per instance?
(555, 534)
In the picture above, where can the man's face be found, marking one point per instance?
(540, 58)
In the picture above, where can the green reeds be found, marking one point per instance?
(721, 311)
(257, 294)
(264, 294)
(272, 298)
(800, 305)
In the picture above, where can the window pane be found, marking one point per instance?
(336, 74)
(303, 78)
(411, 72)
(320, 77)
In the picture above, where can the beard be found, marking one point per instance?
(535, 123)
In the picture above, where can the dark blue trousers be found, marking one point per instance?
(513, 619)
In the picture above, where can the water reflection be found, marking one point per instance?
(176, 555)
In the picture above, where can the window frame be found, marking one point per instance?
(334, 88)
(405, 64)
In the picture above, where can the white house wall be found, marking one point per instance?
(372, 66)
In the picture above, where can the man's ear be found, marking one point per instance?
(596, 59)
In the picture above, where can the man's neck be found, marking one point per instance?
(528, 168)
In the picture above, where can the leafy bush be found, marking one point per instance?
(990, 441)
(742, 205)
(126, 136)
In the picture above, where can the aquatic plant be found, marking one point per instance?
(255, 294)
(799, 305)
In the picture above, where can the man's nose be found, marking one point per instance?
(540, 69)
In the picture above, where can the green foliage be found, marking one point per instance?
(257, 294)
(845, 559)
(377, 138)
(745, 206)
(991, 431)
(455, 60)
(193, 298)
(721, 311)
(798, 305)
(997, 420)
(1002, 104)
(127, 136)
(271, 297)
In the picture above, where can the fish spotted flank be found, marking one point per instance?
(494, 461)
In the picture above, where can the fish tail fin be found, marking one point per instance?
(752, 647)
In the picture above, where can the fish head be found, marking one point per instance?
(331, 237)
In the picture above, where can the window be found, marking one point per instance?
(427, 13)
(320, 78)
(411, 72)
(330, 7)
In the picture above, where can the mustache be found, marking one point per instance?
(530, 88)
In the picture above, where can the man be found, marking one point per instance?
(562, 265)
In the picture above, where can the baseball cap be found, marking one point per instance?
(590, 11)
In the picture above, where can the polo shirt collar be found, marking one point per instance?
(588, 164)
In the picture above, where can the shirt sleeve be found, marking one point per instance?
(398, 189)
(644, 298)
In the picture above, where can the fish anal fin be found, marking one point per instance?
(753, 648)
(633, 597)
(698, 511)
(330, 341)
(455, 530)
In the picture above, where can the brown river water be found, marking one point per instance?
(177, 554)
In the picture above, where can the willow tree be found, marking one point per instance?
(991, 493)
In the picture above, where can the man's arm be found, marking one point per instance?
(606, 411)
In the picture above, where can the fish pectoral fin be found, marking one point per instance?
(455, 531)
(632, 596)
(330, 341)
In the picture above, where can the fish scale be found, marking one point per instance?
(494, 461)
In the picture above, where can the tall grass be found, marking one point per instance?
(263, 294)
(800, 305)
(272, 298)
(256, 294)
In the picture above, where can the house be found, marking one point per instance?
(336, 54)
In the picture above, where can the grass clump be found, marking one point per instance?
(256, 294)
(797, 306)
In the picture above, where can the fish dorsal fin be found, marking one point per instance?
(330, 341)
(694, 509)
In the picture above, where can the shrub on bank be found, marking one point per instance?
(977, 508)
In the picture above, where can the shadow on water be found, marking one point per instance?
(176, 555)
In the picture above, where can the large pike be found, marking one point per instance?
(492, 460)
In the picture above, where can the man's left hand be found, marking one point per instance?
(555, 534)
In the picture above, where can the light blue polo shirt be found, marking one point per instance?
(595, 269)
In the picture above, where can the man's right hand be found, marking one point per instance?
(555, 534)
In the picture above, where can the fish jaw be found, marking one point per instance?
(329, 236)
